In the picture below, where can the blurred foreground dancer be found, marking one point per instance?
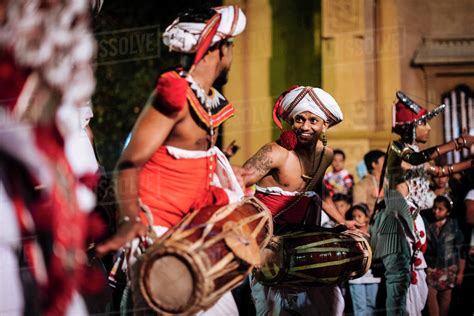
(46, 51)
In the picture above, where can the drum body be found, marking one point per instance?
(314, 258)
(210, 252)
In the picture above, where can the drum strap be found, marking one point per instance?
(149, 217)
(313, 213)
(310, 184)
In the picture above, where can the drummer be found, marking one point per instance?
(170, 162)
(287, 174)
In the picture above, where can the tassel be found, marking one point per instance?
(288, 140)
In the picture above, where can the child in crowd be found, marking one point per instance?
(343, 204)
(445, 267)
(339, 180)
(364, 289)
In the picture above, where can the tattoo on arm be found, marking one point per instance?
(261, 162)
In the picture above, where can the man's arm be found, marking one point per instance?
(149, 133)
(417, 158)
(470, 212)
(269, 157)
(330, 208)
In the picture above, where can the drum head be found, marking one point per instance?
(170, 284)
(242, 243)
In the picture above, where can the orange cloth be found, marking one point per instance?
(172, 187)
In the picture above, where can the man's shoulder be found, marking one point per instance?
(275, 152)
(275, 149)
(328, 151)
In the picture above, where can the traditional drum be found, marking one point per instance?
(314, 258)
(210, 252)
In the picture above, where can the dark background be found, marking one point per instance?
(126, 75)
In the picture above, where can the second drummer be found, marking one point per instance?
(287, 174)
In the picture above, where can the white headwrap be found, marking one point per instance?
(307, 99)
(183, 37)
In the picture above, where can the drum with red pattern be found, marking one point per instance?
(314, 258)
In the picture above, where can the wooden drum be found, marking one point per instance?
(314, 258)
(210, 252)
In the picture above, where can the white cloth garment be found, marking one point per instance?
(280, 191)
(79, 151)
(311, 301)
(417, 294)
(11, 294)
(183, 37)
(314, 100)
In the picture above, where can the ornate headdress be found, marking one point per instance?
(300, 99)
(407, 115)
(196, 37)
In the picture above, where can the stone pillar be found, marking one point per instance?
(249, 82)
(360, 70)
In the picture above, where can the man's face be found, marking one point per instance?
(422, 132)
(440, 211)
(226, 52)
(378, 165)
(338, 162)
(342, 207)
(308, 127)
(441, 182)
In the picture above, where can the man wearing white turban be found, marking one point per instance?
(287, 174)
(171, 161)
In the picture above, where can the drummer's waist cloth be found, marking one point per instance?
(176, 181)
(289, 207)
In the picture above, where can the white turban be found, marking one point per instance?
(183, 37)
(308, 99)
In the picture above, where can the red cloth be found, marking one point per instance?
(171, 92)
(172, 187)
(12, 80)
(405, 115)
(59, 217)
(277, 203)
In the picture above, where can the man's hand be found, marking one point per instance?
(352, 225)
(231, 150)
(126, 232)
(241, 174)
